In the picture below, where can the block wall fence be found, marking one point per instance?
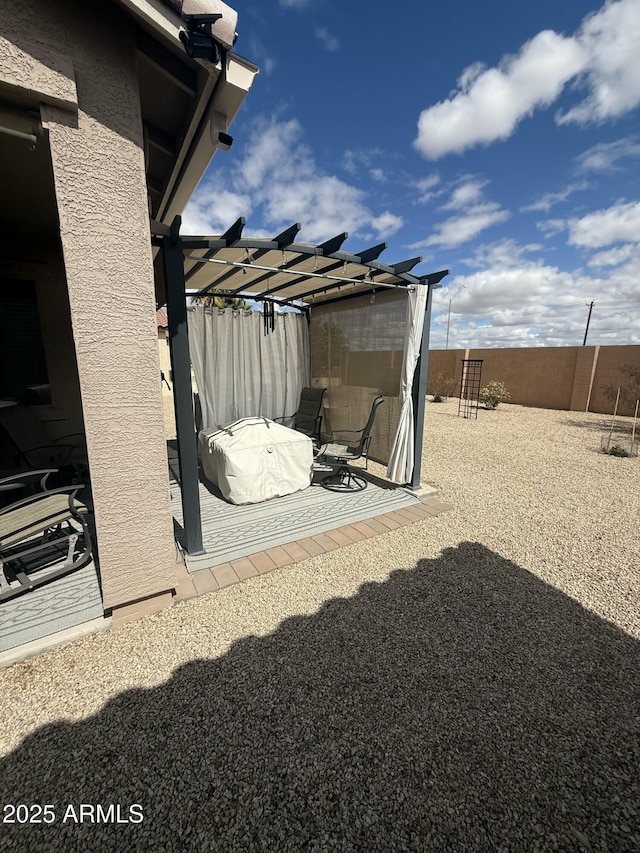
(569, 378)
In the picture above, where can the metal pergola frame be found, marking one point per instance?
(246, 267)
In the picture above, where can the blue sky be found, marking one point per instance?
(498, 140)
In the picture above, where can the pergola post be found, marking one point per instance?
(173, 259)
(419, 391)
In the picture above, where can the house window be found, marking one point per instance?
(23, 367)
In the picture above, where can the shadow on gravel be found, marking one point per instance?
(621, 426)
(463, 705)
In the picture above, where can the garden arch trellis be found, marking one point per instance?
(284, 272)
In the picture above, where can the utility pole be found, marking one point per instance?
(586, 331)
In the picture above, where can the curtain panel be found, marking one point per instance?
(400, 468)
(241, 372)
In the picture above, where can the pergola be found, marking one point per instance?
(279, 271)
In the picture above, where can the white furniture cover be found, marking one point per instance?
(254, 459)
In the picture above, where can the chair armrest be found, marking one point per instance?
(27, 475)
(71, 490)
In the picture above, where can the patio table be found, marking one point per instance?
(255, 459)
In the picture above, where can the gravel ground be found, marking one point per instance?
(466, 683)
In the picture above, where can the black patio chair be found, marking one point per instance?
(42, 537)
(308, 418)
(28, 446)
(344, 479)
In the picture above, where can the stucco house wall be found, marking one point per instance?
(99, 175)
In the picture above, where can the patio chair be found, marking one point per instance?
(42, 537)
(28, 445)
(308, 418)
(344, 479)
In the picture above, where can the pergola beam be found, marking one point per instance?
(304, 252)
(234, 233)
(282, 241)
(361, 258)
(406, 266)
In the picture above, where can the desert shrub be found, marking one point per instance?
(442, 387)
(616, 450)
(494, 393)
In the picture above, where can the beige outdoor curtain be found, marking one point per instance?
(241, 372)
(357, 353)
(400, 467)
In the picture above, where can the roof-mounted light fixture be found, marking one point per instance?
(197, 38)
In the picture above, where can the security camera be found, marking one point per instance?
(225, 141)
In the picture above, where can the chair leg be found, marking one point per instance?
(343, 479)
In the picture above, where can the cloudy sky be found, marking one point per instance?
(498, 140)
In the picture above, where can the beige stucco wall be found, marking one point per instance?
(550, 377)
(100, 185)
(607, 372)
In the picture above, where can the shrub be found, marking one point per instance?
(616, 450)
(494, 393)
(442, 387)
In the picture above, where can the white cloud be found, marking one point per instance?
(465, 195)
(620, 223)
(279, 181)
(606, 156)
(551, 227)
(213, 209)
(273, 151)
(294, 4)
(502, 254)
(530, 303)
(378, 175)
(354, 159)
(477, 216)
(611, 40)
(489, 105)
(387, 224)
(460, 229)
(327, 40)
(550, 199)
(490, 102)
(615, 257)
(426, 187)
(324, 205)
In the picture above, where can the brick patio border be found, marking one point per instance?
(219, 577)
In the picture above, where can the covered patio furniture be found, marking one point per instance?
(42, 537)
(343, 479)
(255, 459)
(308, 418)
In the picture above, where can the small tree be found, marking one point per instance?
(442, 387)
(236, 303)
(630, 390)
(494, 393)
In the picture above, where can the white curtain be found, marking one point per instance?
(241, 372)
(400, 468)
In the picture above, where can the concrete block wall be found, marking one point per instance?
(567, 378)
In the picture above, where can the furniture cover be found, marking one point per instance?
(255, 459)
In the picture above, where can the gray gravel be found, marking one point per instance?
(470, 682)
